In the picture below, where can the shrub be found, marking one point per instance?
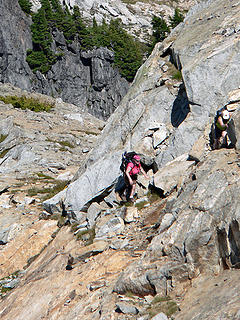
(26, 103)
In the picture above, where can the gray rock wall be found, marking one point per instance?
(88, 80)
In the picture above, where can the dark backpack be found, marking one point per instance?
(126, 158)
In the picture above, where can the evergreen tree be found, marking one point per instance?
(176, 19)
(160, 29)
(25, 5)
(41, 57)
(81, 29)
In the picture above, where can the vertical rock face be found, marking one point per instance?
(15, 39)
(88, 80)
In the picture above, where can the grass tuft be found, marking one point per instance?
(26, 103)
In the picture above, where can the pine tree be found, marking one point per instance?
(160, 29)
(176, 19)
(41, 57)
(25, 5)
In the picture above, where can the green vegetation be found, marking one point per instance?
(162, 304)
(176, 19)
(26, 103)
(43, 176)
(87, 236)
(161, 29)
(128, 51)
(5, 290)
(2, 137)
(177, 75)
(4, 152)
(25, 5)
(50, 191)
(141, 204)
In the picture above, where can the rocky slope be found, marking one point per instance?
(175, 253)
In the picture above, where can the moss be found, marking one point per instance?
(154, 196)
(50, 191)
(3, 137)
(26, 103)
(4, 152)
(177, 75)
(87, 236)
(141, 204)
(5, 290)
(162, 304)
(44, 176)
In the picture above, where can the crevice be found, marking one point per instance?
(234, 241)
(223, 248)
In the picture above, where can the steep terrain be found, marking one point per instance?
(174, 253)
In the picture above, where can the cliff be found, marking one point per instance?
(87, 79)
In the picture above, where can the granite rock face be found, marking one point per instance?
(179, 111)
(88, 80)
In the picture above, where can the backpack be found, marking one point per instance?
(126, 158)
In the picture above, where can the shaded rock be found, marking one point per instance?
(4, 236)
(126, 308)
(93, 212)
(91, 250)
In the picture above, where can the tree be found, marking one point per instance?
(176, 18)
(41, 57)
(160, 29)
(25, 5)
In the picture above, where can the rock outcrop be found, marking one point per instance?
(87, 79)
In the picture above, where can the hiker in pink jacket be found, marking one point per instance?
(133, 169)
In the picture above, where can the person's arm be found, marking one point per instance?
(222, 124)
(144, 173)
(128, 174)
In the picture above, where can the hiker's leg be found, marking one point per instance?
(224, 139)
(133, 189)
(217, 137)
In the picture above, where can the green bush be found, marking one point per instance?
(2, 137)
(26, 103)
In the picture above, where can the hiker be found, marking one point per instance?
(220, 128)
(132, 170)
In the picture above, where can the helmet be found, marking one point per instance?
(136, 157)
(225, 115)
